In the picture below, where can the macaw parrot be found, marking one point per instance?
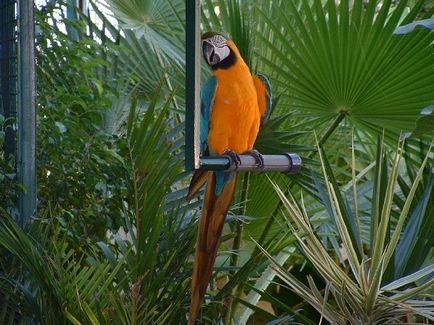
(233, 105)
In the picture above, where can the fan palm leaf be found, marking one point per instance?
(340, 60)
(158, 23)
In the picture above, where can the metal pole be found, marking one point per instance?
(8, 73)
(27, 110)
(71, 15)
(192, 61)
(287, 163)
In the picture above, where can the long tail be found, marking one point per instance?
(197, 181)
(211, 225)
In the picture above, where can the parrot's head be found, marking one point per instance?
(217, 50)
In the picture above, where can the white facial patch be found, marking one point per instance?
(218, 41)
(221, 46)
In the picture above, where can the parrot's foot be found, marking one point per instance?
(233, 156)
(258, 157)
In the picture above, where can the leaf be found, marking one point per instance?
(61, 127)
(328, 61)
(70, 317)
(261, 285)
(90, 314)
(425, 123)
(412, 278)
(358, 295)
(150, 21)
(342, 210)
(412, 232)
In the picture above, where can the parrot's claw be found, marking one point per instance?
(258, 157)
(233, 156)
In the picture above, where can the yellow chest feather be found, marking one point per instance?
(235, 114)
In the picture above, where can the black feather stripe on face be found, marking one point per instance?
(227, 62)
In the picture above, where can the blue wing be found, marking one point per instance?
(207, 95)
(268, 104)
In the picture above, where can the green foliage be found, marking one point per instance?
(158, 23)
(10, 187)
(112, 243)
(140, 274)
(416, 242)
(114, 235)
(81, 169)
(424, 124)
(57, 282)
(327, 63)
(335, 59)
(357, 289)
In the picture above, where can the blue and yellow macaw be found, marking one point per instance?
(233, 105)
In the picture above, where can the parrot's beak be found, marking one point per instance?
(209, 53)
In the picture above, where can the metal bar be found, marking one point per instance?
(71, 15)
(10, 39)
(7, 23)
(215, 163)
(27, 112)
(8, 84)
(192, 87)
(287, 163)
(5, 59)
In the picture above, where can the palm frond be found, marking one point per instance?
(159, 24)
(360, 296)
(329, 60)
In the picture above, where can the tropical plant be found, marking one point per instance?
(358, 290)
(80, 162)
(336, 62)
(111, 106)
(139, 275)
(338, 66)
(113, 238)
(10, 187)
(157, 23)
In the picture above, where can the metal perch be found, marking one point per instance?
(288, 163)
